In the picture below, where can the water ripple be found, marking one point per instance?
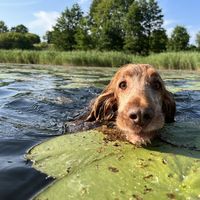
(35, 101)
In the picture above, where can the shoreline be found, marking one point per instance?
(165, 61)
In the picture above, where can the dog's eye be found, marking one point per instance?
(123, 85)
(156, 85)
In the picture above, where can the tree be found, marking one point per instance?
(179, 39)
(107, 17)
(48, 37)
(158, 41)
(63, 34)
(153, 17)
(198, 40)
(3, 27)
(133, 25)
(126, 24)
(19, 29)
(32, 38)
(152, 24)
(83, 36)
(192, 47)
(13, 40)
(135, 39)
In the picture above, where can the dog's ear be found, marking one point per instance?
(104, 106)
(168, 106)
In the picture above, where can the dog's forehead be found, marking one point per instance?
(146, 71)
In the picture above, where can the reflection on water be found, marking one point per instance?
(36, 100)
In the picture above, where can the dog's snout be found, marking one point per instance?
(141, 116)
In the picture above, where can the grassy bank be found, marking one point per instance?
(180, 60)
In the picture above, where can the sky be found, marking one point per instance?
(40, 15)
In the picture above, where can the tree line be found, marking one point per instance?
(17, 37)
(134, 26)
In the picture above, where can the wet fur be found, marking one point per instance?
(105, 109)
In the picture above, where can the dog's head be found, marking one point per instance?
(136, 98)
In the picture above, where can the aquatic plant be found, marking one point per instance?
(169, 60)
(88, 165)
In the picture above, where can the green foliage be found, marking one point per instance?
(134, 26)
(152, 16)
(63, 34)
(83, 37)
(107, 17)
(32, 38)
(158, 41)
(170, 60)
(114, 25)
(17, 38)
(179, 39)
(42, 46)
(152, 23)
(192, 47)
(3, 27)
(135, 40)
(13, 40)
(129, 25)
(48, 37)
(19, 29)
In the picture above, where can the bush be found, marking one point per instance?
(13, 40)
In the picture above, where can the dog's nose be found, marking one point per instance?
(141, 116)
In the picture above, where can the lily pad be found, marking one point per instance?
(87, 166)
(183, 134)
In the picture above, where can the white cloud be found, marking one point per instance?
(43, 22)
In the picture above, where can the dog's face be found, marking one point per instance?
(137, 99)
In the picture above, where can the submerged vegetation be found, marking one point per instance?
(168, 60)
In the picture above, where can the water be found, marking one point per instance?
(35, 101)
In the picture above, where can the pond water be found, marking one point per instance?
(35, 101)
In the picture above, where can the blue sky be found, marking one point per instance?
(40, 15)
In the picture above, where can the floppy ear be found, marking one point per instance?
(168, 106)
(104, 106)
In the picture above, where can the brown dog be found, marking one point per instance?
(137, 100)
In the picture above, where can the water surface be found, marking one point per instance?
(35, 101)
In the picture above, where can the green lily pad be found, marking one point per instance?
(86, 166)
(183, 134)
